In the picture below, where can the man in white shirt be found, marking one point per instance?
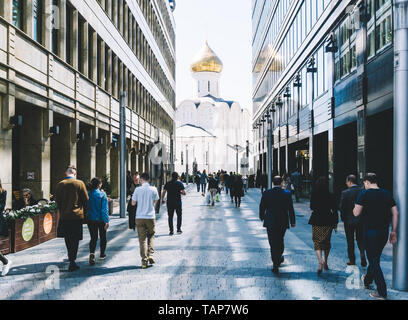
(146, 198)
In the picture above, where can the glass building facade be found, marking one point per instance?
(323, 84)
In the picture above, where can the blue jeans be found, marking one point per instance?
(375, 241)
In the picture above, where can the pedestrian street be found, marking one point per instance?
(223, 253)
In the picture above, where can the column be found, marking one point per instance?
(74, 130)
(109, 72)
(94, 63)
(6, 152)
(28, 26)
(115, 12)
(48, 117)
(92, 133)
(74, 38)
(85, 48)
(62, 31)
(7, 10)
(101, 66)
(46, 30)
(400, 261)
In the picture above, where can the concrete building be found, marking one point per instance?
(63, 64)
(323, 83)
(207, 125)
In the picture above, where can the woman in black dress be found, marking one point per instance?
(324, 219)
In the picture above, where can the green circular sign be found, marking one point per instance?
(27, 231)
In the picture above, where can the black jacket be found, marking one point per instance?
(212, 184)
(276, 209)
(237, 188)
(347, 202)
(324, 209)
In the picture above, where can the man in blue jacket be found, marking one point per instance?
(276, 211)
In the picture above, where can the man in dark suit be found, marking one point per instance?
(352, 225)
(276, 211)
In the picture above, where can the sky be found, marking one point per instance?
(226, 24)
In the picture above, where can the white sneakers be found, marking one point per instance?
(6, 268)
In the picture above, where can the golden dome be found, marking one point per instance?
(206, 61)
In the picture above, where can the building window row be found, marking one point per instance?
(123, 19)
(87, 55)
(97, 61)
(379, 26)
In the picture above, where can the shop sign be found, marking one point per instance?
(47, 223)
(27, 231)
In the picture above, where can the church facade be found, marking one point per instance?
(210, 129)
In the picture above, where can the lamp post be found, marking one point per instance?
(187, 164)
(122, 154)
(237, 148)
(400, 261)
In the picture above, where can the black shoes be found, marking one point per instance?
(171, 233)
(102, 257)
(275, 270)
(92, 259)
(179, 231)
(73, 267)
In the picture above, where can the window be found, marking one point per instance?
(37, 20)
(208, 86)
(54, 30)
(17, 18)
(69, 15)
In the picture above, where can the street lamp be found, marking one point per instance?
(238, 149)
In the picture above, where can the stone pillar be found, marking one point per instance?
(101, 66)
(115, 79)
(46, 153)
(61, 149)
(46, 30)
(94, 63)
(84, 53)
(6, 10)
(84, 153)
(108, 82)
(108, 8)
(101, 154)
(28, 11)
(74, 126)
(126, 22)
(74, 38)
(92, 140)
(62, 31)
(114, 170)
(120, 18)
(31, 145)
(115, 12)
(6, 154)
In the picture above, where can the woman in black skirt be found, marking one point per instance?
(324, 219)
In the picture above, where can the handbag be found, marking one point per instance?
(217, 198)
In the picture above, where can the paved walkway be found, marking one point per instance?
(222, 254)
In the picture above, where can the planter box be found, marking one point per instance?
(5, 244)
(24, 234)
(47, 226)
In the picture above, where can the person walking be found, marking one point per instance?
(6, 262)
(146, 198)
(197, 181)
(324, 219)
(203, 181)
(231, 181)
(237, 190)
(97, 218)
(129, 182)
(71, 198)
(212, 188)
(296, 179)
(226, 182)
(352, 225)
(135, 183)
(174, 190)
(276, 211)
(377, 209)
(245, 182)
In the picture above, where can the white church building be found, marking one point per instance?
(210, 129)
